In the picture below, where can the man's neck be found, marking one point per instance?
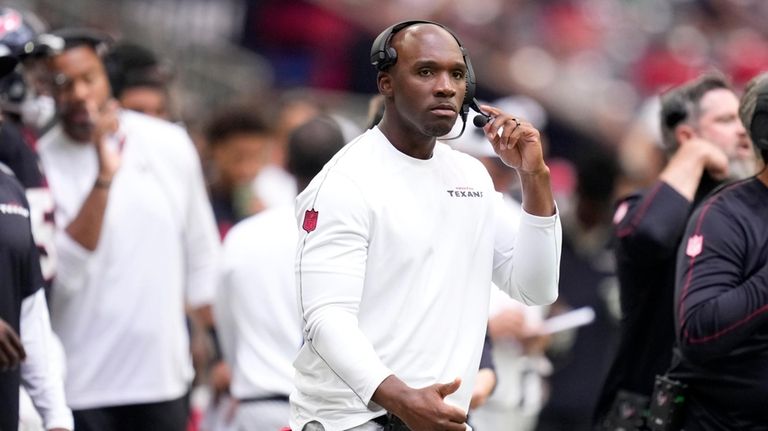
(410, 143)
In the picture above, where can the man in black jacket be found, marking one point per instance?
(721, 293)
(706, 144)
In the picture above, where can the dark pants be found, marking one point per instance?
(162, 416)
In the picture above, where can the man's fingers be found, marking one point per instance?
(11, 350)
(457, 415)
(5, 361)
(446, 389)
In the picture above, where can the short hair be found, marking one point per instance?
(748, 103)
(63, 39)
(312, 145)
(130, 65)
(681, 105)
(235, 120)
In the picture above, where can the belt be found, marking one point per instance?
(283, 398)
(381, 420)
(390, 422)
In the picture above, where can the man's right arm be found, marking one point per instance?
(330, 270)
(652, 224)
(85, 228)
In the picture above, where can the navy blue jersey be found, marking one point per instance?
(20, 277)
(721, 310)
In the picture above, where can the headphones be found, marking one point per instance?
(383, 56)
(758, 128)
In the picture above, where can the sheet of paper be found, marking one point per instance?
(572, 319)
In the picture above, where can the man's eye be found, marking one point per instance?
(425, 72)
(458, 75)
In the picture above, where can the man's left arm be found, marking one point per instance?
(526, 262)
(718, 308)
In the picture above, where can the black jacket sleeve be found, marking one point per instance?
(720, 300)
(649, 225)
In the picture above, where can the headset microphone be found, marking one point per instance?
(482, 119)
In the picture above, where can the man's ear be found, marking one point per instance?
(684, 133)
(384, 82)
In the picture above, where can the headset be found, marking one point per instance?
(383, 56)
(758, 128)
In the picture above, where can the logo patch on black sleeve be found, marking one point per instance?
(694, 246)
(310, 220)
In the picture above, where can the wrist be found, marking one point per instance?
(390, 394)
(102, 182)
(540, 172)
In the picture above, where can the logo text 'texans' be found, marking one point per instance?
(458, 193)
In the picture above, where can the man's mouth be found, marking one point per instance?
(444, 110)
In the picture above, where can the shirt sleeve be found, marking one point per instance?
(526, 263)
(201, 238)
(330, 267)
(718, 306)
(41, 371)
(649, 225)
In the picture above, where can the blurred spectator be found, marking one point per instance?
(136, 237)
(706, 144)
(256, 317)
(273, 185)
(139, 81)
(24, 95)
(239, 140)
(581, 356)
(26, 345)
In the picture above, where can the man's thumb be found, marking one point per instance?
(446, 389)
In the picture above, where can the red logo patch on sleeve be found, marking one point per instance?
(695, 245)
(310, 220)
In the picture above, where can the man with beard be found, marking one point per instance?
(401, 237)
(706, 144)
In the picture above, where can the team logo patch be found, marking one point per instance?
(695, 245)
(621, 211)
(310, 220)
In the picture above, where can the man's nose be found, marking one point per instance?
(445, 85)
(80, 90)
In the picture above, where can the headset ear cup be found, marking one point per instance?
(469, 96)
(391, 56)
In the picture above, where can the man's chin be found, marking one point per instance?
(80, 132)
(740, 169)
(441, 129)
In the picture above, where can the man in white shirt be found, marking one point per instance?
(401, 237)
(258, 326)
(137, 243)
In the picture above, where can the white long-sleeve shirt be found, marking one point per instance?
(393, 266)
(41, 371)
(119, 310)
(256, 319)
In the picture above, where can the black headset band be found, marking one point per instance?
(384, 56)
